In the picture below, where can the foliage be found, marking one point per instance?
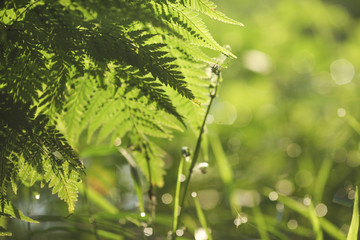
(112, 72)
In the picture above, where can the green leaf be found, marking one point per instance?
(12, 211)
(64, 183)
(209, 8)
(201, 215)
(354, 225)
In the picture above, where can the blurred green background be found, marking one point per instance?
(287, 119)
(282, 138)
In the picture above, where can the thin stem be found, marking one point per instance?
(213, 94)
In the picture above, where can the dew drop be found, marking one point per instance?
(203, 167)
(185, 151)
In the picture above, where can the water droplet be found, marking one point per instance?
(240, 219)
(237, 221)
(273, 196)
(185, 151)
(307, 201)
(117, 142)
(148, 231)
(203, 167)
(182, 178)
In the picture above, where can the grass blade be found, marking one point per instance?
(98, 199)
(177, 196)
(303, 210)
(201, 215)
(260, 222)
(354, 226)
(315, 222)
(138, 189)
(225, 170)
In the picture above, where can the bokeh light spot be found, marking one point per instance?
(224, 113)
(257, 61)
(321, 210)
(341, 112)
(166, 198)
(182, 178)
(307, 201)
(273, 196)
(200, 234)
(353, 159)
(246, 198)
(342, 71)
(148, 231)
(285, 187)
(179, 232)
(292, 224)
(293, 150)
(209, 198)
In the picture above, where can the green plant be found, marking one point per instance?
(110, 72)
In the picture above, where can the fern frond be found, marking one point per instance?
(209, 8)
(76, 104)
(187, 23)
(26, 141)
(12, 211)
(148, 157)
(63, 182)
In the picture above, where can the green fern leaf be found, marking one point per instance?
(188, 24)
(76, 104)
(12, 211)
(63, 182)
(209, 8)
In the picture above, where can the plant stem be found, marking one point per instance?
(213, 94)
